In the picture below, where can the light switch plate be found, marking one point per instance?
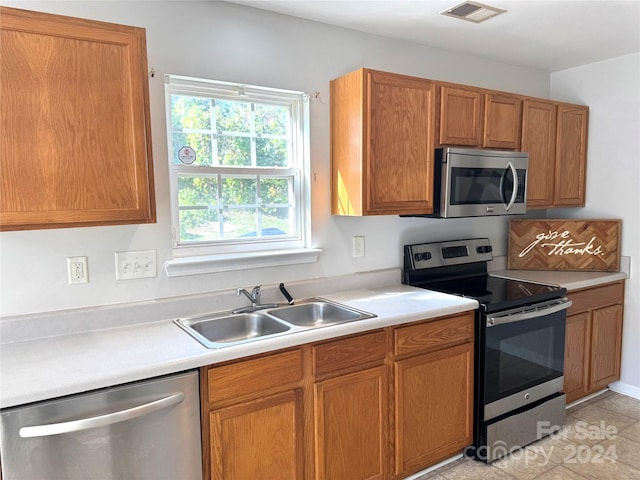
(138, 264)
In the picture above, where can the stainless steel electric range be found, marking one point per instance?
(519, 348)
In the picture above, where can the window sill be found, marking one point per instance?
(179, 267)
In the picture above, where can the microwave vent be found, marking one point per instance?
(472, 11)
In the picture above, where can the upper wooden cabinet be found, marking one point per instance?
(571, 156)
(385, 126)
(475, 118)
(461, 113)
(382, 144)
(502, 121)
(539, 140)
(74, 122)
(555, 136)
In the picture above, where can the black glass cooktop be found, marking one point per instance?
(497, 293)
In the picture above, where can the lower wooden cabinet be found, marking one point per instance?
(253, 418)
(434, 407)
(260, 438)
(372, 406)
(593, 339)
(351, 408)
(351, 426)
(433, 392)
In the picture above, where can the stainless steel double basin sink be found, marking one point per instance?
(226, 329)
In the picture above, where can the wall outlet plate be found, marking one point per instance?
(138, 264)
(77, 270)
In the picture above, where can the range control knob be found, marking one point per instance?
(422, 256)
(484, 249)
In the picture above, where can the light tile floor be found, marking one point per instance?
(600, 441)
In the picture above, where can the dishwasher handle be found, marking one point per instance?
(101, 420)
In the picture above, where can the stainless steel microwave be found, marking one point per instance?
(475, 183)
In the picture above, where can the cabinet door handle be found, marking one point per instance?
(101, 420)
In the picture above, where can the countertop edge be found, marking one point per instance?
(571, 280)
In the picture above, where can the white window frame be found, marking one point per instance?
(231, 254)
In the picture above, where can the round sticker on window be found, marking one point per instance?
(187, 155)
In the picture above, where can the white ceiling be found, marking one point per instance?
(545, 34)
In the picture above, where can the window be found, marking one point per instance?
(238, 161)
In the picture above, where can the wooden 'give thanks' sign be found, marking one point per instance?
(564, 245)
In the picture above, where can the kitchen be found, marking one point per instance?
(177, 34)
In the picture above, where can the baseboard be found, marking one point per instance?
(433, 467)
(587, 398)
(626, 389)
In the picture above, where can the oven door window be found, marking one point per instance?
(523, 354)
(483, 186)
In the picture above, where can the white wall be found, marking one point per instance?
(235, 43)
(612, 90)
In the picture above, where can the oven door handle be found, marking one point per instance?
(494, 320)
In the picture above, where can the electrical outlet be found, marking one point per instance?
(131, 265)
(358, 246)
(77, 270)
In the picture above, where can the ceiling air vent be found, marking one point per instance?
(472, 11)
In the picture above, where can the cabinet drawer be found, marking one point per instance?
(348, 353)
(596, 297)
(433, 335)
(281, 371)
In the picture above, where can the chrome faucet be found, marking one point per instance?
(254, 298)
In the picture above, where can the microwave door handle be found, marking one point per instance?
(101, 420)
(514, 193)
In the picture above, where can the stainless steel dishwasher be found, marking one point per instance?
(148, 430)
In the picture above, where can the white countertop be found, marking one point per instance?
(51, 367)
(573, 280)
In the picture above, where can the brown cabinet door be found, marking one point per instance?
(351, 424)
(460, 117)
(571, 156)
(434, 407)
(399, 167)
(382, 144)
(502, 121)
(539, 140)
(606, 341)
(74, 122)
(261, 438)
(576, 356)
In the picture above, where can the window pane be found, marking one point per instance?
(199, 142)
(234, 151)
(240, 222)
(190, 113)
(271, 119)
(277, 221)
(199, 225)
(239, 191)
(196, 191)
(233, 116)
(275, 190)
(272, 152)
